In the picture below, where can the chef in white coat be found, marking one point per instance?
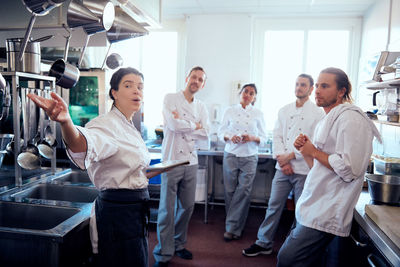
(186, 127)
(338, 157)
(115, 156)
(243, 131)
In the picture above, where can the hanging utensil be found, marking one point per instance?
(114, 61)
(36, 8)
(48, 133)
(2, 82)
(66, 74)
(29, 156)
(6, 101)
(79, 15)
(123, 28)
(104, 10)
(45, 149)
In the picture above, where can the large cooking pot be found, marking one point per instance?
(30, 60)
(384, 188)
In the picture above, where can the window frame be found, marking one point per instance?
(261, 25)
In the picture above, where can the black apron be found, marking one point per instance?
(122, 217)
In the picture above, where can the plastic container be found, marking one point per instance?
(155, 179)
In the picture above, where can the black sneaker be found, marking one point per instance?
(184, 254)
(256, 250)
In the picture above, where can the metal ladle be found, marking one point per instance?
(46, 144)
(29, 157)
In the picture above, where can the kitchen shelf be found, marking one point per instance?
(388, 123)
(395, 83)
(16, 77)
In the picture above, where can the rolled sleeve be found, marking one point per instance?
(350, 160)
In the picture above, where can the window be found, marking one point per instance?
(155, 55)
(294, 48)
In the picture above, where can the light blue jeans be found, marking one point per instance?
(239, 174)
(178, 188)
(304, 247)
(281, 186)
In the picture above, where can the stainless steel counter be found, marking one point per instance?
(380, 239)
(211, 152)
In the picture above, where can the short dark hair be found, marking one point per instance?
(197, 68)
(309, 77)
(117, 77)
(342, 81)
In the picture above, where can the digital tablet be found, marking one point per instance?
(166, 165)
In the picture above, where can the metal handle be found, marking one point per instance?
(26, 38)
(358, 244)
(83, 51)
(376, 261)
(105, 58)
(68, 38)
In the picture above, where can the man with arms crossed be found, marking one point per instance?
(291, 170)
(338, 157)
(185, 123)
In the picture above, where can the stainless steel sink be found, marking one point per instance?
(73, 177)
(44, 235)
(59, 192)
(30, 216)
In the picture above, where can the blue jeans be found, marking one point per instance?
(281, 186)
(178, 188)
(239, 174)
(304, 247)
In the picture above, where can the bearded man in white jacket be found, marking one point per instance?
(338, 157)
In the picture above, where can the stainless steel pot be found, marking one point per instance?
(105, 11)
(384, 188)
(66, 74)
(31, 59)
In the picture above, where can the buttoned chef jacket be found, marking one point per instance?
(329, 196)
(291, 122)
(238, 121)
(181, 140)
(116, 157)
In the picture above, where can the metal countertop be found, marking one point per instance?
(380, 239)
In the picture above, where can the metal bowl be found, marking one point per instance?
(384, 188)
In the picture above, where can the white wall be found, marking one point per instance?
(375, 38)
(221, 44)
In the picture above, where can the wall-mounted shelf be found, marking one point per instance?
(395, 83)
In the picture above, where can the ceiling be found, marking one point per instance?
(182, 8)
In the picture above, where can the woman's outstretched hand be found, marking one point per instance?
(55, 108)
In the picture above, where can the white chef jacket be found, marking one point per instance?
(291, 122)
(329, 197)
(116, 157)
(237, 121)
(181, 140)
